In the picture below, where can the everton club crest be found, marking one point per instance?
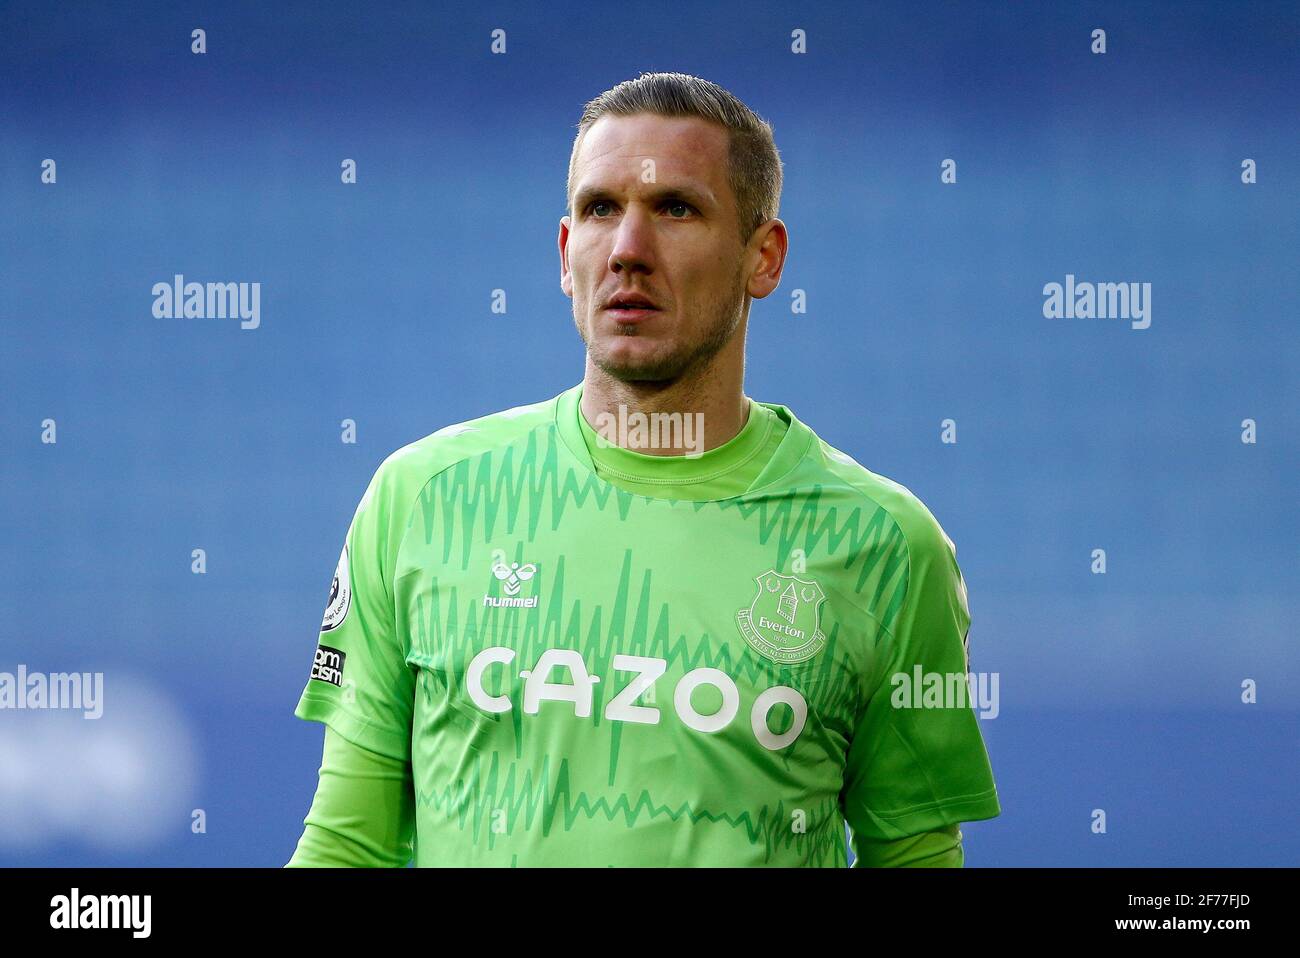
(783, 622)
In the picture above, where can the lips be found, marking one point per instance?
(628, 309)
(630, 302)
(630, 315)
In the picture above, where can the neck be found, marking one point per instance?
(714, 399)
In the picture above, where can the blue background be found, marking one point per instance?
(1118, 691)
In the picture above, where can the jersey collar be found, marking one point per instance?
(793, 447)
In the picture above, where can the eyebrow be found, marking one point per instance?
(589, 194)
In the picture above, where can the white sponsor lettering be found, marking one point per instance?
(578, 690)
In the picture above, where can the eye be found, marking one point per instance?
(670, 205)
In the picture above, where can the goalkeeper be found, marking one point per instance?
(649, 621)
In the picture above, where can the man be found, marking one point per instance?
(648, 621)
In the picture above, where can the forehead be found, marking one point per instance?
(685, 149)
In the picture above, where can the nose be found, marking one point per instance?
(633, 243)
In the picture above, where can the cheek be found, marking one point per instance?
(583, 262)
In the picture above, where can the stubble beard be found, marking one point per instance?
(687, 358)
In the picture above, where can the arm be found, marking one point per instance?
(363, 814)
(916, 770)
(940, 848)
(362, 689)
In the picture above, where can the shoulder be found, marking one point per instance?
(924, 536)
(405, 471)
(933, 576)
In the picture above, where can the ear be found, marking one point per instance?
(566, 277)
(772, 245)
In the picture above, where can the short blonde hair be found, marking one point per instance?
(754, 166)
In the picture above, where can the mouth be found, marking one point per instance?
(631, 308)
(631, 314)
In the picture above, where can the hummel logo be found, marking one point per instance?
(513, 576)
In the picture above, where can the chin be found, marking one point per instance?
(642, 368)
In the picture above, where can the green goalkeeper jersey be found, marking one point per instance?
(591, 656)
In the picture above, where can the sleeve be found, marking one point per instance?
(360, 684)
(917, 761)
(940, 848)
(363, 813)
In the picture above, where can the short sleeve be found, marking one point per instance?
(937, 849)
(360, 683)
(917, 760)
